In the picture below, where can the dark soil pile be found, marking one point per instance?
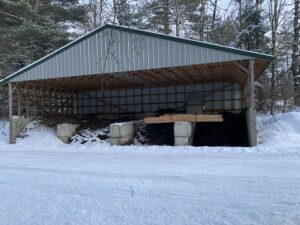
(92, 132)
(154, 134)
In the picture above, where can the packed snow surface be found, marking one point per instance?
(43, 181)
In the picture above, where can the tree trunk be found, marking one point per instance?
(166, 17)
(239, 45)
(95, 15)
(295, 56)
(177, 20)
(274, 27)
(273, 76)
(202, 20)
(286, 93)
(257, 4)
(214, 15)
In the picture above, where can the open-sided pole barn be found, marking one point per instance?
(116, 71)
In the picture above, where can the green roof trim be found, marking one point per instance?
(256, 55)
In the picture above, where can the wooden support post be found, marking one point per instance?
(250, 112)
(28, 111)
(59, 102)
(19, 103)
(61, 97)
(56, 94)
(34, 101)
(10, 99)
(51, 95)
(42, 100)
(251, 85)
(75, 105)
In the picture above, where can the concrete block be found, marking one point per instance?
(65, 131)
(183, 133)
(183, 141)
(122, 133)
(122, 141)
(119, 130)
(183, 129)
(16, 126)
(251, 127)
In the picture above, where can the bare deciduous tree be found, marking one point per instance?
(296, 53)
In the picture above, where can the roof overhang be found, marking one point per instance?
(33, 71)
(230, 72)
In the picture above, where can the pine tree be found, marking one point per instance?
(296, 52)
(167, 16)
(251, 27)
(34, 28)
(123, 12)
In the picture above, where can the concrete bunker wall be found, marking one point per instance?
(16, 126)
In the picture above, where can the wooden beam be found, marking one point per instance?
(171, 118)
(10, 100)
(149, 79)
(242, 68)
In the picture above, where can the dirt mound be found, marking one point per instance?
(154, 134)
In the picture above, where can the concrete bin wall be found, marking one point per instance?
(122, 133)
(16, 126)
(65, 131)
(183, 133)
(251, 127)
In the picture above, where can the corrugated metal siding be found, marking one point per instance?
(110, 51)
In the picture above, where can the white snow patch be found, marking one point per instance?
(279, 130)
(37, 136)
(4, 131)
(43, 181)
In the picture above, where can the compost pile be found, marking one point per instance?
(154, 134)
(92, 132)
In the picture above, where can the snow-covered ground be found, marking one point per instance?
(43, 181)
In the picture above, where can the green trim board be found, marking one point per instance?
(256, 55)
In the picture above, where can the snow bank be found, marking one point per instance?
(279, 130)
(275, 133)
(4, 131)
(44, 181)
(37, 136)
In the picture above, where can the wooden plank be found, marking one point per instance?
(171, 118)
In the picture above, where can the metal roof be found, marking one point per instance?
(111, 49)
